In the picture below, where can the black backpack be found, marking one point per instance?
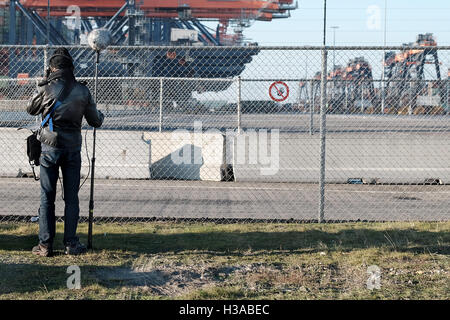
(33, 151)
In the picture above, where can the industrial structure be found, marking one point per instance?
(179, 27)
(406, 83)
(350, 88)
(135, 22)
(156, 23)
(405, 88)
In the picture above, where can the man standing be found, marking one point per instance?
(75, 101)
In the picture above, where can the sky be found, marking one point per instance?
(359, 22)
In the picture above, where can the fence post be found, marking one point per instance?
(45, 58)
(323, 111)
(383, 97)
(411, 98)
(239, 104)
(447, 109)
(346, 97)
(311, 109)
(160, 104)
(362, 97)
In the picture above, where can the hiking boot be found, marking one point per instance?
(75, 248)
(42, 250)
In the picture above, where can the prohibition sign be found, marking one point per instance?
(279, 91)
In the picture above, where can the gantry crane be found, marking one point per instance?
(350, 88)
(405, 76)
(175, 23)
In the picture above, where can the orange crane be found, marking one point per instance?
(405, 74)
(350, 87)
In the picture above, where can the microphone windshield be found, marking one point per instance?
(99, 39)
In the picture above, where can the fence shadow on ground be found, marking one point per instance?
(235, 243)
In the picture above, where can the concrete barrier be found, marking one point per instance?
(13, 154)
(389, 157)
(184, 155)
(119, 154)
(373, 157)
(273, 157)
(255, 155)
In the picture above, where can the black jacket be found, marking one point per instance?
(67, 118)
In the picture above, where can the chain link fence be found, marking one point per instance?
(245, 133)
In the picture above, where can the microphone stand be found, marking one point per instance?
(91, 198)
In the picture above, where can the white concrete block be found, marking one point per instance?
(13, 152)
(186, 155)
(119, 155)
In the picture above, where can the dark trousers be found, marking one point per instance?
(70, 163)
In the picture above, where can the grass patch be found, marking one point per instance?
(165, 260)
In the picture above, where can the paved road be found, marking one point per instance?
(216, 200)
(143, 119)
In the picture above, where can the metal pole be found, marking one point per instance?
(346, 97)
(45, 59)
(323, 110)
(334, 44)
(311, 109)
(383, 93)
(446, 97)
(324, 22)
(160, 104)
(362, 97)
(334, 61)
(411, 97)
(48, 22)
(12, 22)
(91, 199)
(239, 105)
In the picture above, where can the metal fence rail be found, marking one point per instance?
(248, 133)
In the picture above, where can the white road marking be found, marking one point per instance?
(269, 189)
(249, 188)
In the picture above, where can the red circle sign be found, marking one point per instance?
(279, 91)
